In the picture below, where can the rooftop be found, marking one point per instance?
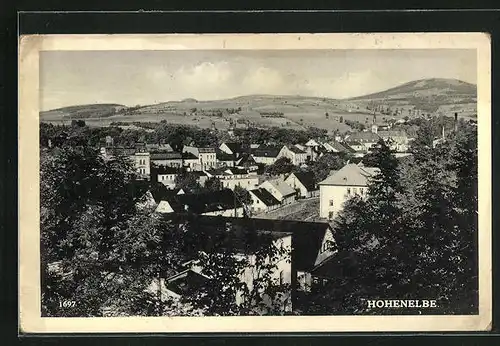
(306, 179)
(350, 175)
(265, 197)
(204, 202)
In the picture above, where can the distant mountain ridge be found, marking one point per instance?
(428, 95)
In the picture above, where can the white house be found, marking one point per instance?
(263, 201)
(350, 180)
(296, 155)
(168, 159)
(265, 154)
(280, 190)
(142, 164)
(207, 158)
(232, 148)
(397, 140)
(303, 183)
(165, 175)
(231, 177)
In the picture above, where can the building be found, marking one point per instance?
(190, 161)
(223, 203)
(263, 201)
(266, 154)
(232, 148)
(206, 157)
(165, 175)
(335, 147)
(224, 159)
(343, 184)
(246, 161)
(231, 177)
(367, 138)
(312, 147)
(303, 183)
(306, 246)
(397, 140)
(296, 156)
(280, 190)
(167, 159)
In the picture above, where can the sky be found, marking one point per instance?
(148, 77)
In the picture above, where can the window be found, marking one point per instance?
(282, 277)
(355, 191)
(331, 203)
(361, 191)
(348, 191)
(330, 214)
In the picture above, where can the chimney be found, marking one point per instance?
(456, 121)
(443, 132)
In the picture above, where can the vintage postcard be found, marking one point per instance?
(255, 183)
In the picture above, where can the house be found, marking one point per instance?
(297, 156)
(263, 201)
(266, 154)
(343, 184)
(246, 161)
(231, 177)
(397, 140)
(306, 246)
(152, 195)
(190, 161)
(280, 190)
(312, 149)
(206, 157)
(232, 148)
(167, 159)
(223, 203)
(165, 175)
(224, 159)
(303, 183)
(367, 138)
(335, 147)
(142, 163)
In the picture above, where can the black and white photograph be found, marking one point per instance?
(267, 181)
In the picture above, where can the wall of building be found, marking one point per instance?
(245, 183)
(264, 159)
(332, 198)
(168, 163)
(167, 179)
(142, 163)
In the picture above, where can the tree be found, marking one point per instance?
(283, 165)
(187, 181)
(87, 213)
(213, 184)
(322, 167)
(223, 251)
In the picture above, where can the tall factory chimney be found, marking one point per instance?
(456, 121)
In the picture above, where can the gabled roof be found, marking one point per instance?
(246, 159)
(223, 156)
(204, 202)
(337, 146)
(306, 179)
(188, 155)
(234, 147)
(266, 151)
(312, 143)
(265, 197)
(295, 150)
(307, 237)
(283, 188)
(350, 175)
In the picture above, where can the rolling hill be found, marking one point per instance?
(433, 96)
(436, 95)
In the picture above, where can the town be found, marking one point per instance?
(290, 194)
